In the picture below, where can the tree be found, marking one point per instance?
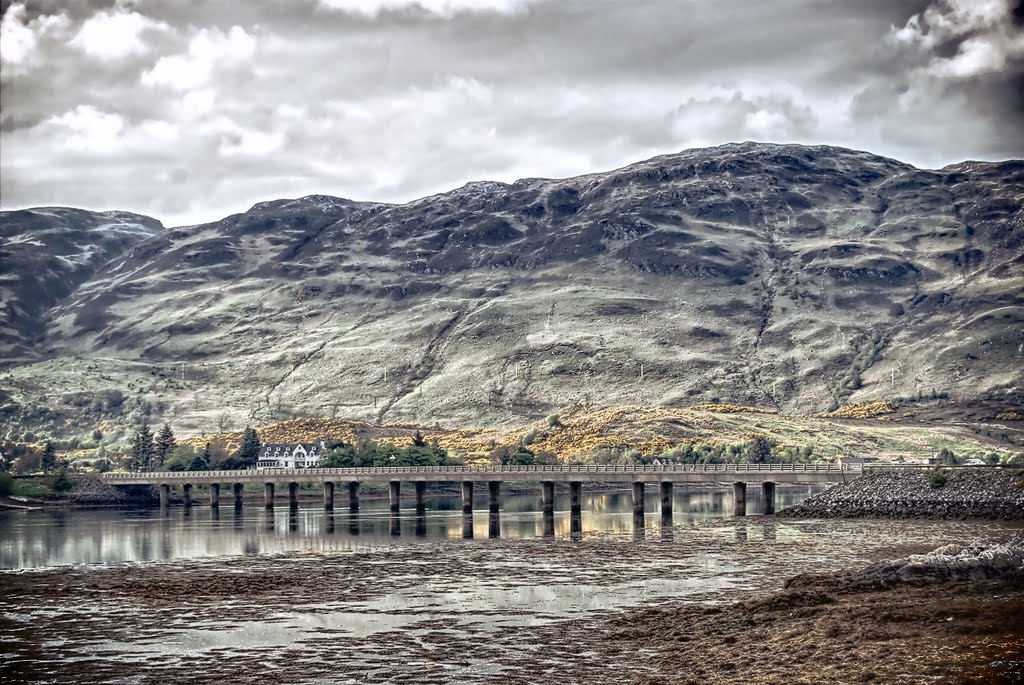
(758, 449)
(418, 441)
(142, 448)
(49, 458)
(249, 451)
(202, 462)
(165, 442)
(946, 456)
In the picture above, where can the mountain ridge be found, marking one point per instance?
(792, 277)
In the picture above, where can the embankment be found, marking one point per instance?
(948, 493)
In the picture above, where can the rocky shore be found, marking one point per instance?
(950, 616)
(964, 493)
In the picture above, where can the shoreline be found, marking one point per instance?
(984, 493)
(372, 612)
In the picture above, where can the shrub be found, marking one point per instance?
(6, 484)
(938, 479)
(61, 482)
(554, 421)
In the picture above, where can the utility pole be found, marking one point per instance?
(641, 372)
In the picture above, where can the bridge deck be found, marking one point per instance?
(679, 473)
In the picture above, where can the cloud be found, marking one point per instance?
(443, 8)
(771, 117)
(208, 50)
(983, 32)
(21, 37)
(115, 34)
(190, 111)
(87, 129)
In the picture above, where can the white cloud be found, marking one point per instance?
(208, 50)
(87, 129)
(250, 143)
(989, 39)
(947, 19)
(20, 37)
(443, 8)
(742, 116)
(115, 34)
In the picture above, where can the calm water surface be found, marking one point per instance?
(36, 539)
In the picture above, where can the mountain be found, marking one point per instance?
(792, 278)
(46, 254)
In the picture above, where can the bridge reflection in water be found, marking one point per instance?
(767, 475)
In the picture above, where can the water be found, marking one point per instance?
(138, 596)
(44, 538)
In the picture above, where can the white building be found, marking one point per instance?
(301, 455)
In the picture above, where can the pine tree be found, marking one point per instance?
(165, 442)
(249, 451)
(142, 448)
(202, 462)
(49, 459)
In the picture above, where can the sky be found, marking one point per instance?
(190, 111)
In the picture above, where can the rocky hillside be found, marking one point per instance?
(791, 278)
(45, 255)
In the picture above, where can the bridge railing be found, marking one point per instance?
(500, 469)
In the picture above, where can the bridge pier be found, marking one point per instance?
(165, 495)
(215, 495)
(421, 491)
(467, 502)
(186, 491)
(638, 508)
(238, 488)
(353, 522)
(328, 496)
(547, 489)
(395, 490)
(268, 495)
(768, 492)
(575, 496)
(494, 524)
(547, 496)
(396, 523)
(293, 496)
(467, 524)
(421, 523)
(353, 495)
(739, 493)
(494, 496)
(666, 502)
(575, 510)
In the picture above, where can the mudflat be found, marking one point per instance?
(704, 603)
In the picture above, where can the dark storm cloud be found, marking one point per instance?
(192, 110)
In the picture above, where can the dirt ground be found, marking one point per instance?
(950, 633)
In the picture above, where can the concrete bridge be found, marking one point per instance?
(767, 475)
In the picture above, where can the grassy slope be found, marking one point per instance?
(653, 430)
